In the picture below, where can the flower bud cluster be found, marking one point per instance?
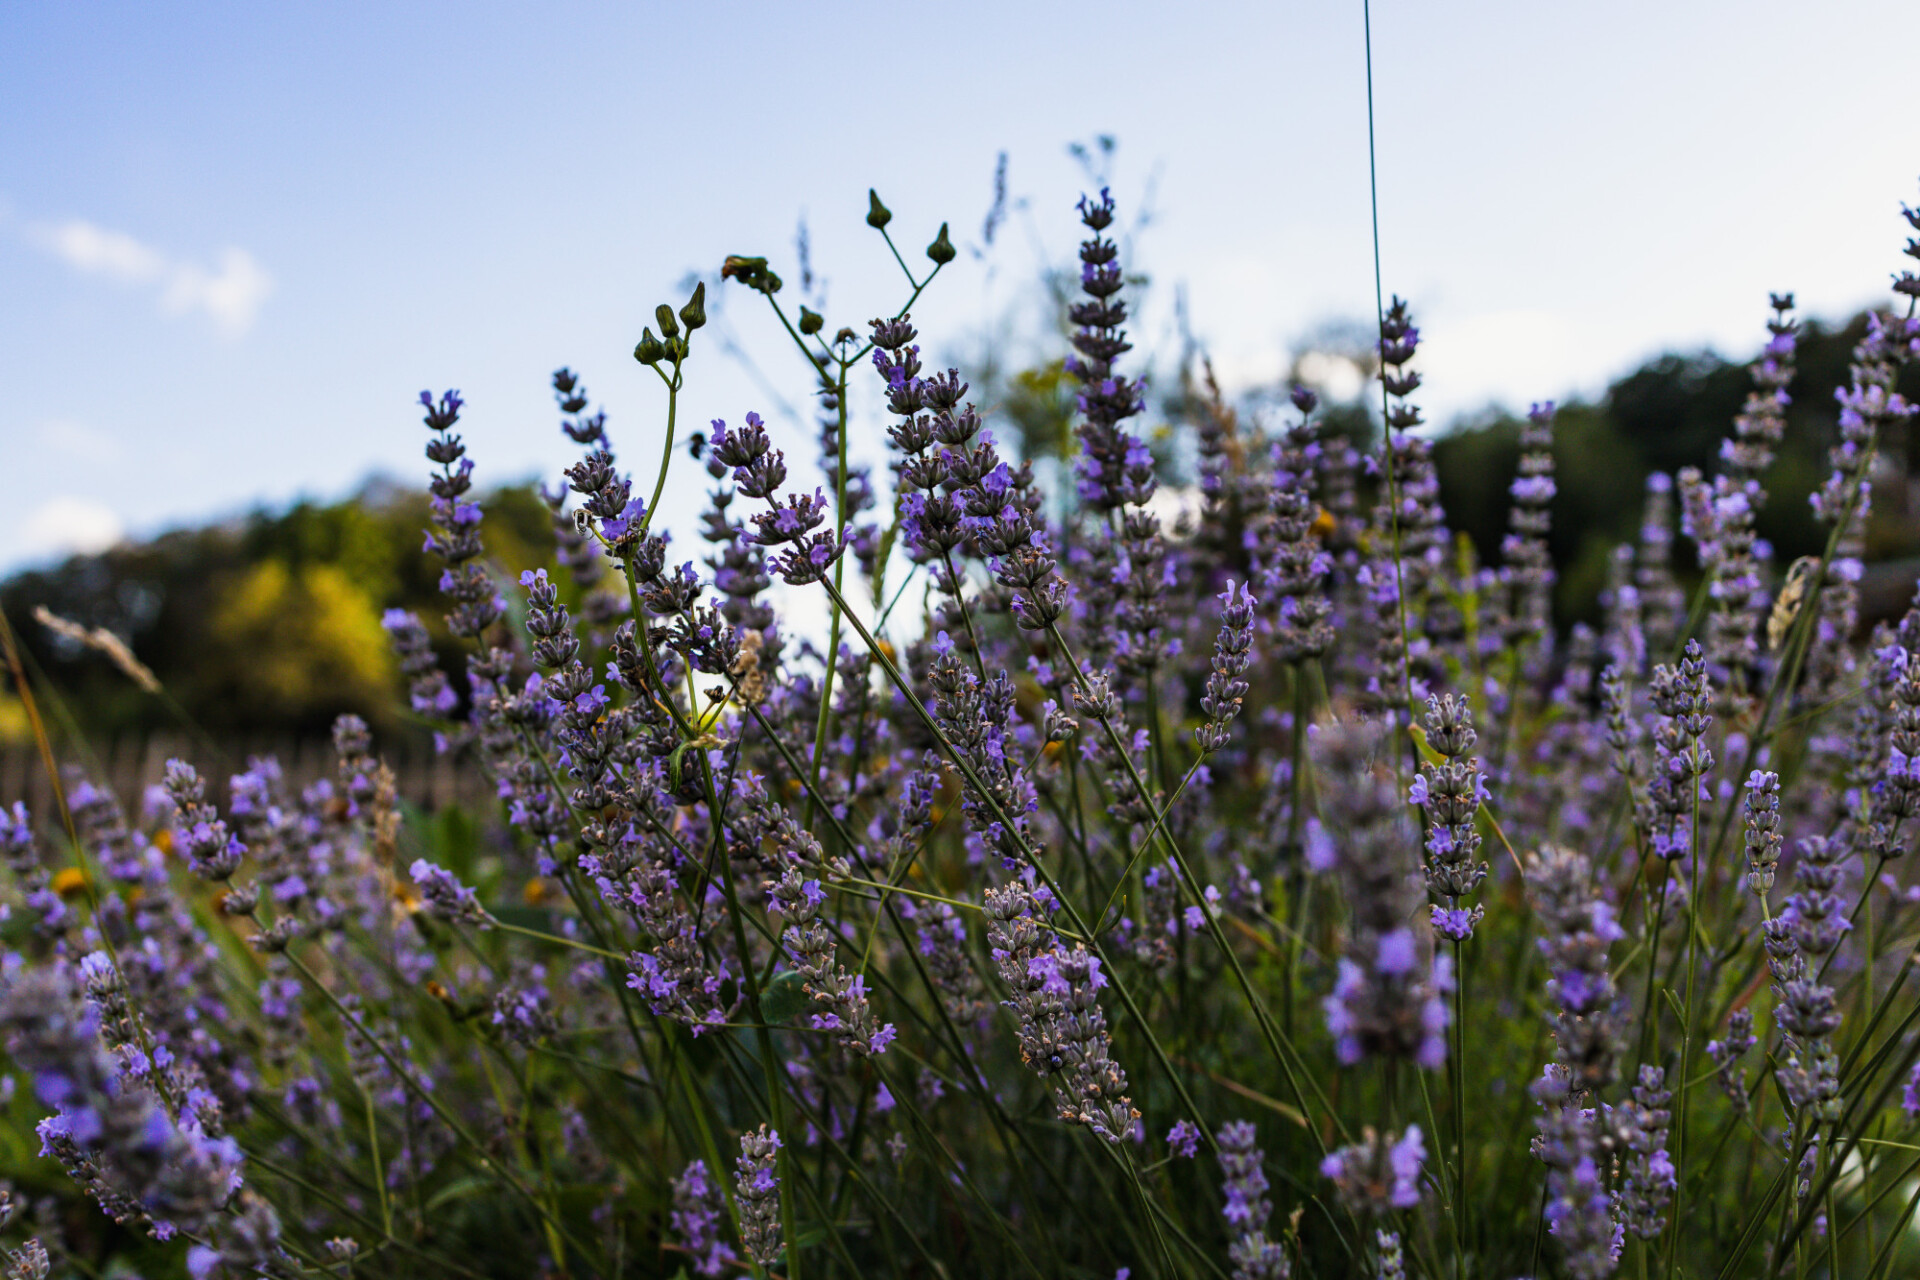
(21, 854)
(1726, 1055)
(455, 535)
(1389, 991)
(1378, 1174)
(445, 898)
(1684, 698)
(1577, 929)
(1762, 829)
(1527, 565)
(1650, 1178)
(1451, 793)
(841, 995)
(212, 851)
(1294, 563)
(1247, 1210)
(699, 1213)
(1226, 685)
(1115, 468)
(758, 1191)
(1055, 997)
(1579, 1211)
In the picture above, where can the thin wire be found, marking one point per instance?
(1380, 351)
(1373, 196)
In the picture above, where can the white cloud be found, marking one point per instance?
(68, 525)
(99, 251)
(78, 440)
(229, 293)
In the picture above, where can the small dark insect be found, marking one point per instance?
(1793, 594)
(697, 445)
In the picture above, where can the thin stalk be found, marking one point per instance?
(1686, 1032)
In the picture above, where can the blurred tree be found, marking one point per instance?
(1672, 412)
(292, 646)
(266, 624)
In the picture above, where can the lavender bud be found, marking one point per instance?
(213, 853)
(1378, 1174)
(1254, 1257)
(698, 1215)
(28, 1262)
(758, 1191)
(1763, 829)
(1726, 1055)
(445, 898)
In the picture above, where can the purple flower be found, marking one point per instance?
(1378, 1174)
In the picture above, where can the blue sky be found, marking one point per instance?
(237, 240)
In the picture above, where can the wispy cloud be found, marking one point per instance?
(79, 440)
(67, 525)
(229, 292)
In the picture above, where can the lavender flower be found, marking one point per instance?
(1379, 1173)
(28, 1262)
(1451, 792)
(1247, 1210)
(1662, 605)
(943, 947)
(1806, 1009)
(842, 996)
(1870, 409)
(1577, 927)
(21, 853)
(758, 1192)
(1578, 1209)
(1684, 698)
(1294, 566)
(1392, 1264)
(1389, 991)
(1114, 468)
(445, 898)
(1527, 571)
(210, 849)
(1062, 1032)
(1231, 654)
(455, 536)
(112, 1135)
(1650, 1175)
(698, 1215)
(1726, 1055)
(1763, 830)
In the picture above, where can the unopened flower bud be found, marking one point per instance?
(810, 322)
(694, 314)
(664, 314)
(278, 934)
(878, 215)
(941, 250)
(649, 351)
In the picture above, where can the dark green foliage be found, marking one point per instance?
(1671, 412)
(200, 606)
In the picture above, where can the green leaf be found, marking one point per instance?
(784, 998)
